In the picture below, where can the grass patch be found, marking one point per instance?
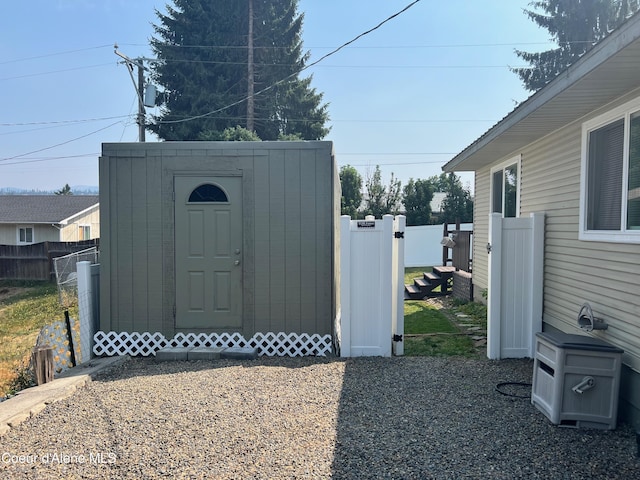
(428, 330)
(435, 334)
(25, 307)
(420, 317)
(476, 312)
(414, 272)
(439, 346)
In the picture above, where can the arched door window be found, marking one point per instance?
(208, 193)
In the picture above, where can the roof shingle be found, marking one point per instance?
(43, 208)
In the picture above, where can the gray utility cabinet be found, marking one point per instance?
(218, 237)
(576, 380)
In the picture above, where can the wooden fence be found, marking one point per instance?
(35, 261)
(460, 255)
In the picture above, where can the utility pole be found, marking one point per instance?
(141, 111)
(250, 74)
(131, 63)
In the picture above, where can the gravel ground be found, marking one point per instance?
(310, 418)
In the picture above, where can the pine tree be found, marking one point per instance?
(66, 190)
(208, 61)
(576, 26)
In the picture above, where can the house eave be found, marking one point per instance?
(605, 73)
(70, 219)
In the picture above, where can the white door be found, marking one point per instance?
(516, 259)
(366, 296)
(208, 240)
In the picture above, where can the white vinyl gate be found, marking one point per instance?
(371, 286)
(516, 259)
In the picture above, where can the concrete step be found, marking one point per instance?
(172, 354)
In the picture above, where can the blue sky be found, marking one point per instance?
(408, 96)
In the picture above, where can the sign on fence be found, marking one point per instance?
(371, 286)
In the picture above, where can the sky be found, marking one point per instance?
(407, 97)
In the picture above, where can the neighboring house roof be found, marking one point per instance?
(44, 208)
(607, 71)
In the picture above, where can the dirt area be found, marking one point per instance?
(7, 292)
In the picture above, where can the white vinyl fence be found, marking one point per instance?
(371, 286)
(88, 305)
(422, 244)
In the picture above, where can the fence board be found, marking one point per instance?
(35, 261)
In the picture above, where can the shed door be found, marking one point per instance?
(208, 239)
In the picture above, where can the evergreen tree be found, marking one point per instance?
(417, 201)
(576, 26)
(211, 57)
(351, 183)
(66, 190)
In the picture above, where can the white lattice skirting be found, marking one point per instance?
(269, 344)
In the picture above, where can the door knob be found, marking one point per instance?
(237, 262)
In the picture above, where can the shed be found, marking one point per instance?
(219, 237)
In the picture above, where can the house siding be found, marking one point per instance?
(41, 233)
(481, 207)
(289, 200)
(71, 232)
(604, 274)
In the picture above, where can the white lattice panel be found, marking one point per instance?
(270, 344)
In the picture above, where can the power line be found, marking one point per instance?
(46, 159)
(426, 162)
(389, 154)
(64, 122)
(53, 54)
(370, 47)
(244, 47)
(73, 69)
(58, 144)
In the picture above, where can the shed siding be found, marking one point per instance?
(604, 274)
(289, 201)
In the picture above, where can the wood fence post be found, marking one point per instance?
(43, 367)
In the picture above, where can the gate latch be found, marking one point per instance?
(488, 248)
(398, 234)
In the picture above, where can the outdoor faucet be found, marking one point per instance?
(587, 321)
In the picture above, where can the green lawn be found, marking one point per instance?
(25, 307)
(428, 331)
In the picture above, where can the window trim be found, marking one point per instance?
(623, 235)
(82, 227)
(516, 160)
(210, 202)
(33, 234)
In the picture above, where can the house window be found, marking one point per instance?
(505, 188)
(84, 232)
(208, 193)
(25, 234)
(610, 184)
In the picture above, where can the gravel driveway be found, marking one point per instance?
(310, 418)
